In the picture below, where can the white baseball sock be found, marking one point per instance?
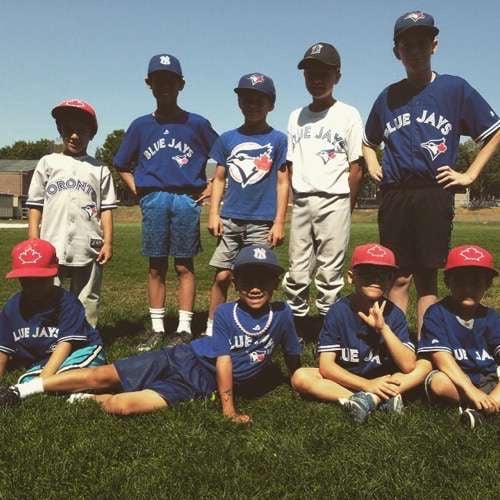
(34, 386)
(157, 317)
(185, 318)
(210, 327)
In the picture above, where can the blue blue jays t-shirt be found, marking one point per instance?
(250, 354)
(421, 129)
(252, 163)
(474, 344)
(170, 155)
(360, 349)
(31, 338)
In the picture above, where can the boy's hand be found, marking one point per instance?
(105, 254)
(481, 400)
(448, 177)
(206, 193)
(383, 387)
(375, 318)
(276, 234)
(375, 172)
(215, 226)
(240, 418)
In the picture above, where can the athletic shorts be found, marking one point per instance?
(170, 225)
(92, 355)
(237, 234)
(416, 224)
(173, 372)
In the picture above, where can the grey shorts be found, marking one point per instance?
(238, 234)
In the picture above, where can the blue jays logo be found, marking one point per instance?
(257, 356)
(435, 147)
(326, 155)
(90, 210)
(255, 79)
(249, 162)
(415, 16)
(182, 160)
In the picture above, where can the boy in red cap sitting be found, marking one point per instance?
(462, 337)
(366, 357)
(44, 327)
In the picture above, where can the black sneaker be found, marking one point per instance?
(471, 418)
(179, 338)
(154, 341)
(9, 396)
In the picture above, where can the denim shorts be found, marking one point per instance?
(170, 225)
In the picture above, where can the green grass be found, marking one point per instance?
(294, 449)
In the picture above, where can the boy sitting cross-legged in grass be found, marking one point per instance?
(366, 357)
(246, 333)
(462, 337)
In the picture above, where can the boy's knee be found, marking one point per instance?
(223, 278)
(300, 380)
(183, 267)
(440, 384)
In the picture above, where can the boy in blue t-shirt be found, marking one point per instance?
(168, 151)
(462, 337)
(366, 357)
(252, 158)
(246, 333)
(43, 328)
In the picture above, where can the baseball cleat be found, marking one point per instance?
(9, 396)
(179, 338)
(471, 418)
(359, 406)
(394, 404)
(154, 341)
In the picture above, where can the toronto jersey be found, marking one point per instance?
(421, 129)
(250, 354)
(31, 337)
(252, 163)
(474, 344)
(358, 347)
(169, 155)
(72, 192)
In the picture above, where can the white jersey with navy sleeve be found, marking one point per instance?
(72, 192)
(359, 349)
(421, 129)
(250, 353)
(474, 344)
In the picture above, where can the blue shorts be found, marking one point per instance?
(92, 355)
(170, 225)
(173, 372)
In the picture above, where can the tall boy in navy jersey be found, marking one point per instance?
(462, 337)
(246, 333)
(366, 357)
(420, 120)
(169, 149)
(43, 328)
(253, 160)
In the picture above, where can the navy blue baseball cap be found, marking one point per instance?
(257, 255)
(165, 62)
(259, 83)
(416, 19)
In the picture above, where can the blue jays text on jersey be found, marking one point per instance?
(323, 134)
(421, 129)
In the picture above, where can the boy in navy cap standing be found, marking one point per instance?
(253, 160)
(420, 120)
(170, 149)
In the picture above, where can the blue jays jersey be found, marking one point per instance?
(421, 129)
(252, 163)
(474, 344)
(169, 155)
(250, 354)
(359, 349)
(30, 338)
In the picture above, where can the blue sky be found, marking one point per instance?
(99, 50)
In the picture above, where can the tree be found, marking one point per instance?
(27, 150)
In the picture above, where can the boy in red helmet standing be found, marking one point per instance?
(70, 200)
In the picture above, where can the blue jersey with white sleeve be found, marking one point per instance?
(31, 337)
(360, 349)
(167, 155)
(252, 163)
(421, 129)
(474, 343)
(250, 339)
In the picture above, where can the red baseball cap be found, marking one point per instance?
(83, 106)
(470, 256)
(374, 254)
(33, 259)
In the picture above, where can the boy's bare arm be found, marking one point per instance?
(448, 177)
(277, 231)
(215, 226)
(128, 179)
(446, 363)
(374, 167)
(355, 180)
(106, 252)
(224, 375)
(4, 359)
(56, 359)
(34, 219)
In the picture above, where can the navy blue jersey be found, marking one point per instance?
(360, 349)
(252, 163)
(167, 155)
(31, 338)
(474, 344)
(250, 353)
(421, 129)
